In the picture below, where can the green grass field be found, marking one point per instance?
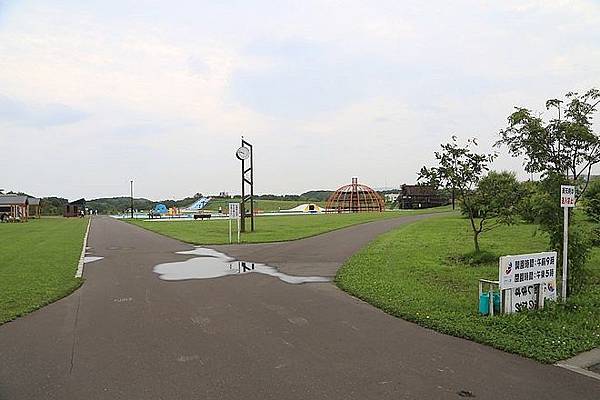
(259, 205)
(268, 228)
(412, 273)
(38, 261)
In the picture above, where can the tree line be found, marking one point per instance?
(563, 150)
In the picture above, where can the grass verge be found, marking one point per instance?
(38, 260)
(417, 273)
(268, 228)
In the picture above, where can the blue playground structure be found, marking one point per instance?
(162, 210)
(198, 205)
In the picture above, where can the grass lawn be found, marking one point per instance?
(268, 228)
(411, 273)
(259, 205)
(38, 261)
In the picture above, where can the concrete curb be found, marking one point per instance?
(581, 362)
(79, 272)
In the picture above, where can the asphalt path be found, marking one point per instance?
(125, 334)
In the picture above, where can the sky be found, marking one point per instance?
(95, 94)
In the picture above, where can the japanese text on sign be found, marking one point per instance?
(567, 196)
(234, 210)
(527, 297)
(527, 269)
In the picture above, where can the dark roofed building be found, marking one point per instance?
(14, 207)
(75, 208)
(419, 196)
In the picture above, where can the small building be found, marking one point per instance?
(35, 209)
(14, 207)
(419, 196)
(75, 208)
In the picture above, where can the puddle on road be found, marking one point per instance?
(209, 264)
(89, 259)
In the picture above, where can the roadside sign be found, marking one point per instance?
(527, 269)
(524, 275)
(567, 196)
(234, 213)
(234, 210)
(567, 200)
(528, 298)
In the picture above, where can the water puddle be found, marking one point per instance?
(209, 264)
(89, 259)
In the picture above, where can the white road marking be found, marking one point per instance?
(79, 272)
(123, 300)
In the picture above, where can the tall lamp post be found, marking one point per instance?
(131, 182)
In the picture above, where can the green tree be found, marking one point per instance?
(564, 146)
(564, 150)
(460, 168)
(592, 201)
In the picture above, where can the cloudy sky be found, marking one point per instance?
(93, 94)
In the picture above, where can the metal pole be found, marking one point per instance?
(230, 229)
(565, 252)
(131, 199)
(243, 203)
(252, 189)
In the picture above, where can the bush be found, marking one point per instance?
(591, 201)
(595, 236)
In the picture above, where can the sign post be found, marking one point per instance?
(567, 200)
(234, 213)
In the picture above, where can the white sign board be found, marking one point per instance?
(526, 297)
(527, 269)
(522, 273)
(234, 210)
(567, 196)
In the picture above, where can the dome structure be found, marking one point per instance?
(355, 198)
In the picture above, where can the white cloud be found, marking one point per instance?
(326, 90)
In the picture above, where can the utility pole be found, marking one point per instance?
(131, 182)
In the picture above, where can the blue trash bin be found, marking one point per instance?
(484, 303)
(496, 302)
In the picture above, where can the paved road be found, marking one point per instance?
(128, 335)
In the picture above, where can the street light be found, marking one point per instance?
(131, 198)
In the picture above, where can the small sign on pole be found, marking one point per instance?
(567, 200)
(234, 213)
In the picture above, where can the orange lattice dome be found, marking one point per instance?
(355, 198)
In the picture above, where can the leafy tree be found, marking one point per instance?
(564, 146)
(528, 209)
(564, 150)
(53, 205)
(461, 168)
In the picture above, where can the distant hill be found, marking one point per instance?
(316, 195)
(54, 205)
(116, 205)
